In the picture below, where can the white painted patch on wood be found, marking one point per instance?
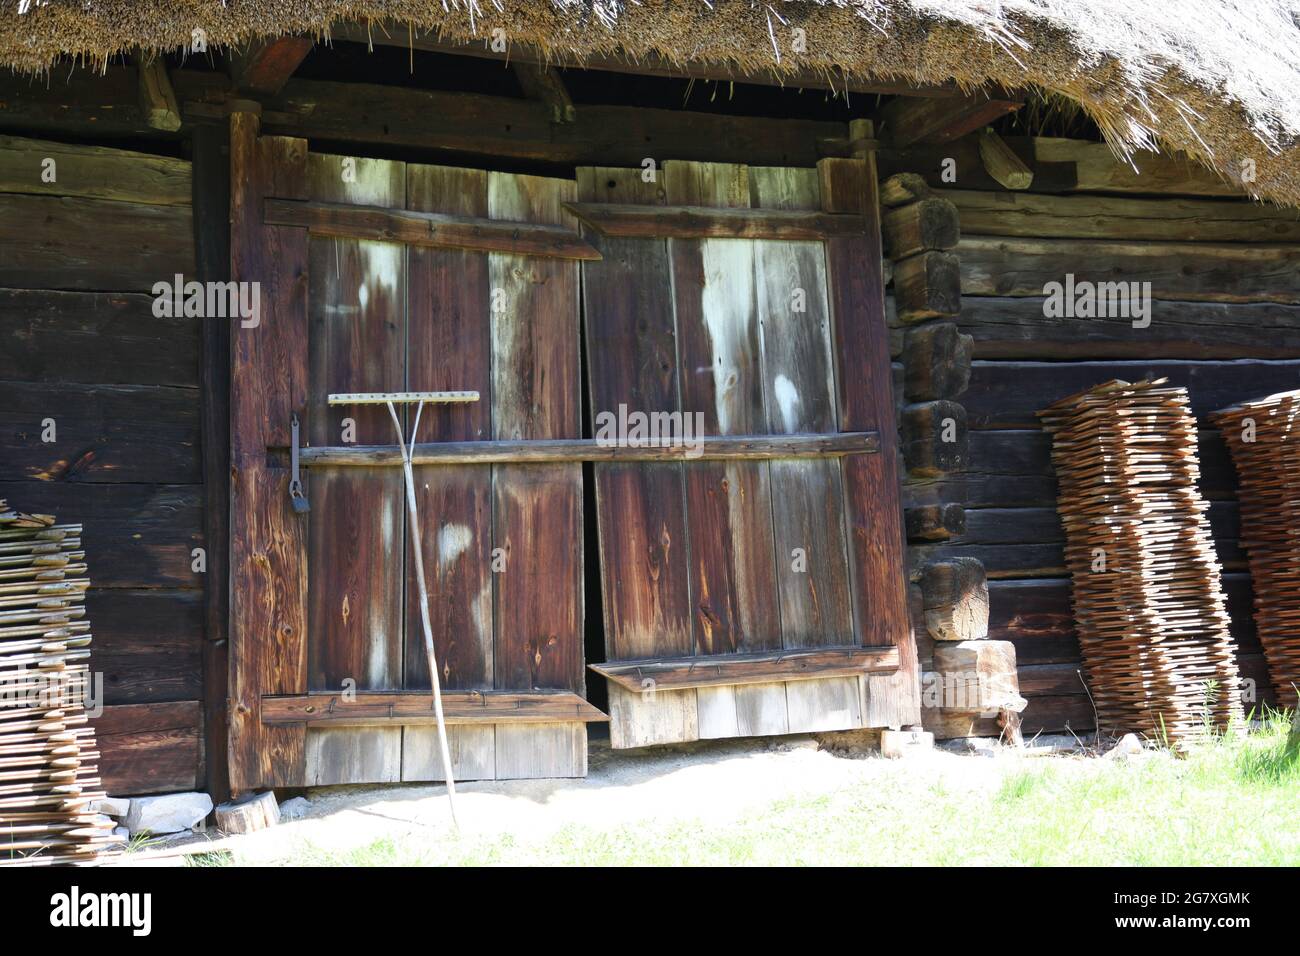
(728, 307)
(453, 540)
(787, 398)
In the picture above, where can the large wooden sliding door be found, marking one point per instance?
(329, 680)
(743, 597)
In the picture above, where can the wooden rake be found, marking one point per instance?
(419, 400)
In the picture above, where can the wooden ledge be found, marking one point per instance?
(681, 673)
(348, 221)
(416, 707)
(716, 448)
(706, 222)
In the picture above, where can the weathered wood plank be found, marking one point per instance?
(93, 244)
(520, 451)
(435, 230)
(1016, 328)
(102, 433)
(356, 343)
(416, 707)
(150, 748)
(1190, 271)
(336, 755)
(810, 663)
(1098, 169)
(92, 172)
(1006, 395)
(1128, 218)
(148, 643)
(449, 347)
(531, 751)
(537, 509)
(268, 553)
(631, 342)
(105, 338)
(702, 222)
(138, 535)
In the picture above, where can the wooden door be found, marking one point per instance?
(746, 597)
(369, 292)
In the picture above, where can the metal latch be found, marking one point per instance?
(297, 497)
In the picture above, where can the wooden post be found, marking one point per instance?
(157, 98)
(211, 204)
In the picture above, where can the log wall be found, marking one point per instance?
(85, 232)
(1225, 322)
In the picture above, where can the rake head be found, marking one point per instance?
(402, 398)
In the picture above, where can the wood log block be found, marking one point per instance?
(918, 226)
(903, 188)
(927, 286)
(953, 725)
(978, 676)
(935, 522)
(956, 599)
(1002, 163)
(896, 744)
(248, 814)
(916, 621)
(936, 362)
(934, 438)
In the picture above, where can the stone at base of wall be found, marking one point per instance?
(903, 743)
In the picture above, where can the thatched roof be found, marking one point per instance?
(1219, 79)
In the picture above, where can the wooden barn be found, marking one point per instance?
(759, 301)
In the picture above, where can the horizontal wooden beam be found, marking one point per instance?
(474, 125)
(518, 451)
(682, 673)
(397, 34)
(416, 707)
(428, 229)
(702, 222)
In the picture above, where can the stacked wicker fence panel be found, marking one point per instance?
(1148, 598)
(1264, 438)
(48, 771)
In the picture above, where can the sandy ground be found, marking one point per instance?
(718, 781)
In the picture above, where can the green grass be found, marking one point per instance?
(1230, 800)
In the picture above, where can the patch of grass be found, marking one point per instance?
(1229, 800)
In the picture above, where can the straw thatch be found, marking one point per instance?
(1215, 78)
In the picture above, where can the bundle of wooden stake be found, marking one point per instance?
(1148, 598)
(1264, 437)
(48, 774)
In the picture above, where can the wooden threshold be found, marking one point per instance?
(435, 230)
(703, 222)
(416, 707)
(682, 673)
(520, 451)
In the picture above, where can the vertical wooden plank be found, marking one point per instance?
(473, 752)
(353, 755)
(733, 576)
(357, 550)
(807, 497)
(268, 555)
(211, 201)
(449, 347)
(530, 751)
(537, 509)
(631, 344)
(854, 264)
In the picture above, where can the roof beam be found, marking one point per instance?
(543, 83)
(157, 98)
(265, 66)
(910, 120)
(648, 65)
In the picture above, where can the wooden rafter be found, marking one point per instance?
(266, 66)
(908, 119)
